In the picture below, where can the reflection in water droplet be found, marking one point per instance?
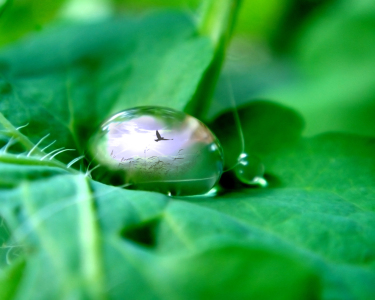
(159, 149)
(250, 170)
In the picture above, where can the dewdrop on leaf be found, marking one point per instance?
(250, 170)
(159, 149)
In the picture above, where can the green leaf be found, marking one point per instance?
(66, 81)
(129, 269)
(320, 212)
(68, 254)
(309, 234)
(335, 55)
(10, 281)
(239, 271)
(34, 15)
(320, 199)
(229, 270)
(326, 73)
(16, 172)
(315, 220)
(33, 156)
(282, 128)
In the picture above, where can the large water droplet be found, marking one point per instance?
(250, 170)
(159, 149)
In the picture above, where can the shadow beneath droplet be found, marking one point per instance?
(229, 181)
(265, 126)
(273, 181)
(229, 186)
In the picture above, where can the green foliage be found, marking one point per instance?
(19, 17)
(309, 234)
(326, 71)
(336, 51)
(81, 79)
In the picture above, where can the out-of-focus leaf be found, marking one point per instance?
(67, 81)
(10, 280)
(327, 75)
(336, 50)
(255, 19)
(23, 16)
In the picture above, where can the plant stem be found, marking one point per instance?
(23, 140)
(217, 19)
(32, 161)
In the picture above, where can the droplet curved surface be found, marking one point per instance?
(159, 149)
(250, 170)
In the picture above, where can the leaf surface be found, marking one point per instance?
(308, 235)
(66, 81)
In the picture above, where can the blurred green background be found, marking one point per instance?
(317, 56)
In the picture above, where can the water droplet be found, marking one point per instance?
(250, 170)
(159, 149)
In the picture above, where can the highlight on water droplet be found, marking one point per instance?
(159, 149)
(250, 170)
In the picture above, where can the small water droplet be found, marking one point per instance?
(159, 149)
(250, 170)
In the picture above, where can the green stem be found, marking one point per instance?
(24, 141)
(3, 5)
(217, 19)
(34, 161)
